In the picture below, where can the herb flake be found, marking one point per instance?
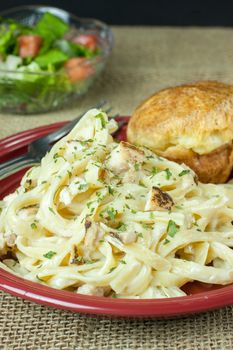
(49, 254)
(102, 120)
(33, 226)
(168, 173)
(172, 228)
(184, 172)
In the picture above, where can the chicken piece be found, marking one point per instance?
(10, 240)
(88, 289)
(123, 157)
(77, 185)
(94, 233)
(126, 237)
(131, 176)
(158, 200)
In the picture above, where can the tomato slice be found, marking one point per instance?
(87, 40)
(29, 45)
(78, 68)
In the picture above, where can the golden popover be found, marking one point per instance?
(191, 124)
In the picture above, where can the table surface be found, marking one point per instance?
(144, 60)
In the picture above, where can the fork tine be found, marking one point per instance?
(114, 116)
(108, 110)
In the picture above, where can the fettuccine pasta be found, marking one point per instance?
(106, 218)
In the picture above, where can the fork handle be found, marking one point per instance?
(11, 166)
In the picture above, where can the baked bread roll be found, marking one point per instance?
(191, 124)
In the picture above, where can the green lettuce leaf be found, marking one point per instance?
(51, 24)
(72, 49)
(53, 57)
(8, 37)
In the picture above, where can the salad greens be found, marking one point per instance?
(50, 25)
(53, 57)
(41, 65)
(51, 31)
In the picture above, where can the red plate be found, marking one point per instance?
(202, 297)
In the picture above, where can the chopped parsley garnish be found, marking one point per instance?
(129, 196)
(166, 241)
(69, 173)
(51, 209)
(152, 216)
(33, 226)
(123, 262)
(184, 172)
(110, 190)
(56, 156)
(139, 234)
(141, 183)
(172, 228)
(112, 269)
(103, 146)
(147, 226)
(90, 153)
(133, 211)
(89, 204)
(90, 261)
(178, 207)
(78, 260)
(122, 227)
(84, 142)
(136, 166)
(81, 187)
(101, 117)
(168, 173)
(50, 254)
(97, 164)
(154, 171)
(111, 213)
(101, 241)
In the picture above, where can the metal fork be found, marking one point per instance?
(38, 148)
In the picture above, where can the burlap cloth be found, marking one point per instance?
(144, 60)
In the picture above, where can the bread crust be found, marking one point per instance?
(191, 124)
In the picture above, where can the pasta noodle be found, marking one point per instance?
(105, 218)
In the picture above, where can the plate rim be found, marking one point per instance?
(45, 295)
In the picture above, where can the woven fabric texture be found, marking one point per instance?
(144, 60)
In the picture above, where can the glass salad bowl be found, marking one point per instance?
(58, 61)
